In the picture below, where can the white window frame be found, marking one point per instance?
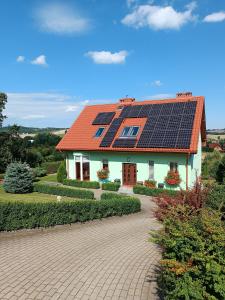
(129, 135)
(151, 163)
(103, 129)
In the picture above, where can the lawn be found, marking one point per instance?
(29, 197)
(50, 177)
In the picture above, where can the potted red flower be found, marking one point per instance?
(151, 184)
(173, 178)
(103, 174)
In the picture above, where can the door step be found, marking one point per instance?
(126, 190)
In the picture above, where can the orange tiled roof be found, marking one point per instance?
(80, 137)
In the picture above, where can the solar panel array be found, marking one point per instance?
(111, 133)
(168, 125)
(104, 118)
(124, 143)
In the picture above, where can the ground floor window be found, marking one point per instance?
(173, 166)
(105, 164)
(82, 167)
(151, 170)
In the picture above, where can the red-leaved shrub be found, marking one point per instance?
(194, 199)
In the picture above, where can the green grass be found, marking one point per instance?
(50, 178)
(38, 197)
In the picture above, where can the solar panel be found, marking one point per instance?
(124, 143)
(190, 107)
(111, 133)
(167, 109)
(104, 118)
(184, 139)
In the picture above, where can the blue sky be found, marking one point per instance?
(57, 56)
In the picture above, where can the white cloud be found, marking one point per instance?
(60, 19)
(107, 57)
(215, 17)
(159, 17)
(70, 108)
(40, 60)
(157, 83)
(20, 58)
(44, 109)
(30, 117)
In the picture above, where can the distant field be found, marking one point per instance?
(215, 136)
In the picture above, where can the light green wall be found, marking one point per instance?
(161, 166)
(195, 164)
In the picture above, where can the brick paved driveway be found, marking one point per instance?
(108, 259)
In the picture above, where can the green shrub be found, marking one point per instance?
(193, 265)
(220, 173)
(61, 172)
(143, 190)
(216, 197)
(27, 214)
(111, 186)
(18, 178)
(2, 176)
(39, 172)
(51, 167)
(63, 191)
(82, 184)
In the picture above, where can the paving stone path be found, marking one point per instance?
(108, 259)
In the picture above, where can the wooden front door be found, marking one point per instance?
(129, 174)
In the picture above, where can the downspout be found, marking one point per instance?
(187, 161)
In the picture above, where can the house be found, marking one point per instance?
(138, 141)
(215, 146)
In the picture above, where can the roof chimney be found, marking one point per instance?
(184, 94)
(127, 101)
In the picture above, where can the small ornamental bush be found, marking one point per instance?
(111, 186)
(18, 178)
(173, 178)
(39, 172)
(63, 191)
(29, 214)
(150, 184)
(82, 184)
(61, 173)
(103, 174)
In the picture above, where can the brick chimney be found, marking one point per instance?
(127, 101)
(184, 95)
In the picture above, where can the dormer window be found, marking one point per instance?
(99, 131)
(130, 131)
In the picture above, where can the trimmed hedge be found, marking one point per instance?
(26, 214)
(111, 186)
(143, 190)
(109, 196)
(63, 191)
(82, 184)
(51, 166)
